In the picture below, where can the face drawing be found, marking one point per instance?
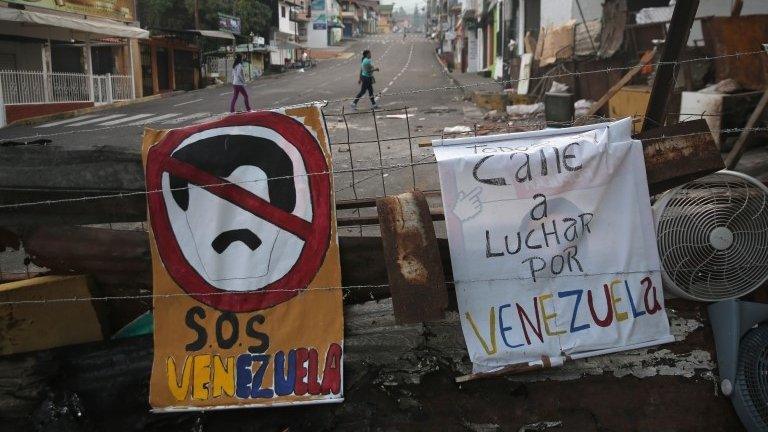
(229, 247)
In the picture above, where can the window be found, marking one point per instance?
(282, 11)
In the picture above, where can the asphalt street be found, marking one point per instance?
(374, 143)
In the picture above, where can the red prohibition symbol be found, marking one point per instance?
(314, 234)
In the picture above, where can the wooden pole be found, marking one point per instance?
(741, 144)
(663, 83)
(736, 9)
(647, 57)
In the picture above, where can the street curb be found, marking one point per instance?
(73, 113)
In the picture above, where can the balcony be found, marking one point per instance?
(299, 16)
(349, 15)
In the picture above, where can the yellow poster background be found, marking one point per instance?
(204, 379)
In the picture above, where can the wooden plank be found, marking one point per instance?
(743, 141)
(729, 36)
(663, 82)
(386, 365)
(412, 258)
(644, 60)
(34, 327)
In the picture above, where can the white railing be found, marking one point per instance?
(121, 87)
(35, 87)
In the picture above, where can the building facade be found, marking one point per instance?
(58, 56)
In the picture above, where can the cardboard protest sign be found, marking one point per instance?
(245, 259)
(552, 244)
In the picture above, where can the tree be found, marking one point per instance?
(255, 15)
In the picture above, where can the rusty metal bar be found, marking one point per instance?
(412, 258)
(677, 154)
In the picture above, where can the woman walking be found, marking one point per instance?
(238, 84)
(366, 80)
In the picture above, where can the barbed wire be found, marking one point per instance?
(411, 91)
(319, 288)
(379, 169)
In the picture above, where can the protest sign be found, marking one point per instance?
(552, 244)
(245, 259)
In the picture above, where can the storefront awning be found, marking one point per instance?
(292, 45)
(214, 34)
(84, 25)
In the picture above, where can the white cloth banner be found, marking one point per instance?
(552, 244)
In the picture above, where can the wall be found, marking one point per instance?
(472, 51)
(593, 9)
(27, 56)
(318, 38)
(285, 25)
(722, 8)
(480, 49)
(554, 12)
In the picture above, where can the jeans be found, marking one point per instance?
(366, 85)
(239, 89)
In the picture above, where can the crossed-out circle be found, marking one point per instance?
(315, 234)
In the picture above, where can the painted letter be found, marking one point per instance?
(578, 294)
(648, 287)
(244, 376)
(497, 181)
(546, 317)
(201, 376)
(524, 316)
(542, 205)
(488, 253)
(635, 312)
(491, 325)
(620, 316)
(332, 372)
(285, 374)
(609, 314)
(300, 386)
(179, 390)
(313, 387)
(503, 329)
(223, 377)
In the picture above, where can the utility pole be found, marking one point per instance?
(197, 14)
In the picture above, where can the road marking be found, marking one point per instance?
(69, 120)
(96, 120)
(184, 103)
(127, 119)
(187, 118)
(154, 119)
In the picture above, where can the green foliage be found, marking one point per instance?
(255, 15)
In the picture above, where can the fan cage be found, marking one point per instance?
(712, 236)
(751, 383)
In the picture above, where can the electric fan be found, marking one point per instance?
(741, 339)
(712, 235)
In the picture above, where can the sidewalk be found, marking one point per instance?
(472, 82)
(330, 52)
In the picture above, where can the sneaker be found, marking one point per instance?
(375, 106)
(353, 106)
